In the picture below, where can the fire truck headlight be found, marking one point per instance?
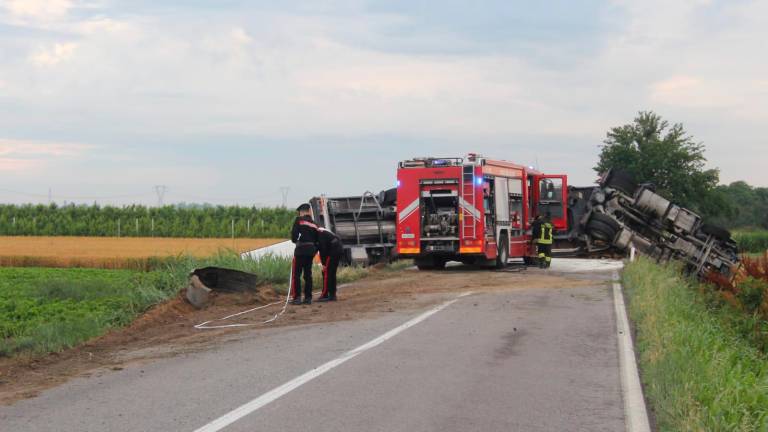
(479, 181)
(397, 184)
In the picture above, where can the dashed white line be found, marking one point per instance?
(270, 396)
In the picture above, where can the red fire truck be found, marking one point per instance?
(473, 210)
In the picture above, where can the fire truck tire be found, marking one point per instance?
(622, 181)
(602, 227)
(715, 231)
(425, 263)
(503, 256)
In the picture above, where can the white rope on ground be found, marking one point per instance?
(205, 326)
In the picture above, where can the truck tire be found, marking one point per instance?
(602, 227)
(622, 181)
(715, 231)
(388, 197)
(503, 256)
(425, 263)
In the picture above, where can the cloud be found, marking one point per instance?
(42, 10)
(17, 155)
(47, 148)
(53, 55)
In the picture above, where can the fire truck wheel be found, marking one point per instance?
(503, 256)
(715, 231)
(622, 181)
(602, 227)
(425, 263)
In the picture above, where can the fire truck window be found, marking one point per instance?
(551, 197)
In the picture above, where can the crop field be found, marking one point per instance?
(113, 252)
(752, 241)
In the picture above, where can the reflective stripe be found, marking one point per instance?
(469, 208)
(470, 249)
(409, 250)
(408, 210)
(325, 277)
(546, 234)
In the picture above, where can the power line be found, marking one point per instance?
(160, 191)
(284, 190)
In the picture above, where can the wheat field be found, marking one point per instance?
(113, 252)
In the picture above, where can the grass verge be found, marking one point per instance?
(699, 372)
(46, 310)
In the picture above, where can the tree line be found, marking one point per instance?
(654, 151)
(143, 221)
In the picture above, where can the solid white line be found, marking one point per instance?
(235, 415)
(632, 392)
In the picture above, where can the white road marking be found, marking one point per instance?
(235, 415)
(632, 392)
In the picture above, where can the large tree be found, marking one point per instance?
(653, 151)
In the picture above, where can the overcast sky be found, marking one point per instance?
(227, 101)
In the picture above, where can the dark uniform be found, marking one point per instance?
(542, 231)
(331, 249)
(305, 235)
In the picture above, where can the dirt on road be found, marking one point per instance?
(168, 329)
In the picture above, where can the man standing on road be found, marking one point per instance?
(304, 234)
(331, 249)
(542, 230)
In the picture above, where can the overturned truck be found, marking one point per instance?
(619, 214)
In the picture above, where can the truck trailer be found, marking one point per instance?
(474, 210)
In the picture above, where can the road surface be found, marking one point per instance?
(523, 359)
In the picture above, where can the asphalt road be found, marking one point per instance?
(518, 360)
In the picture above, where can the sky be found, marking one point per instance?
(229, 101)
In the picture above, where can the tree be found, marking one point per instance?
(653, 151)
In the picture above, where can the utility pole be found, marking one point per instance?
(160, 191)
(50, 196)
(284, 190)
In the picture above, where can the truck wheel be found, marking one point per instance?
(715, 231)
(621, 181)
(602, 227)
(425, 263)
(503, 256)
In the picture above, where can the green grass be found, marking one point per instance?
(699, 372)
(753, 241)
(46, 310)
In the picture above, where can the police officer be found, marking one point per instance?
(305, 235)
(542, 233)
(330, 248)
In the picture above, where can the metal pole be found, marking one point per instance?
(118, 227)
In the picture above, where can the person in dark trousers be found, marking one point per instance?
(330, 249)
(305, 235)
(542, 235)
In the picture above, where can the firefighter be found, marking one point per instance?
(542, 230)
(305, 235)
(330, 248)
